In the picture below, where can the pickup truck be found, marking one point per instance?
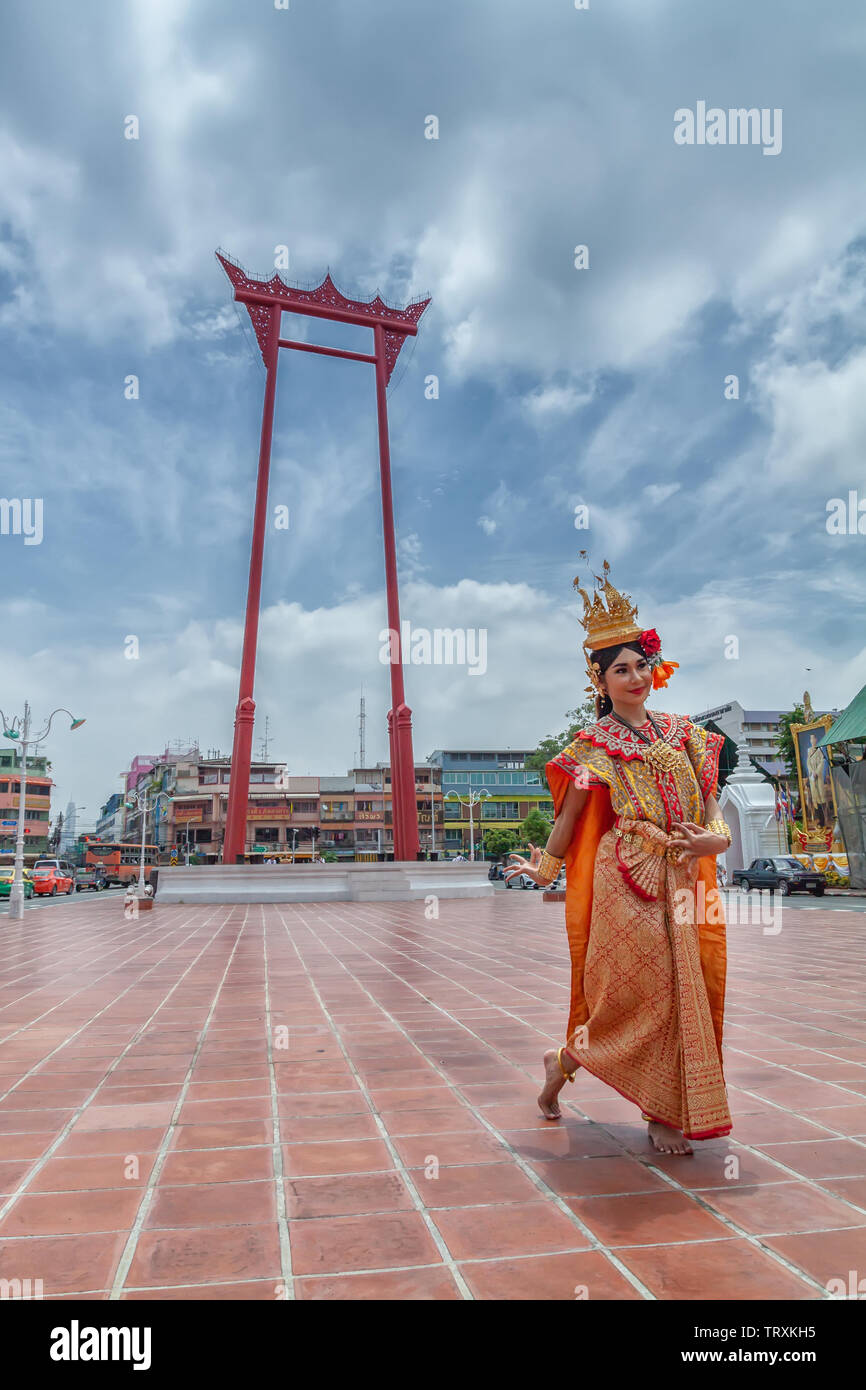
(782, 875)
(94, 876)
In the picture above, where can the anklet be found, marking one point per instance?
(569, 1075)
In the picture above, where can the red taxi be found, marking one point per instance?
(51, 879)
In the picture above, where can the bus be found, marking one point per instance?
(120, 860)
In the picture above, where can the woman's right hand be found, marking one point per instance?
(525, 866)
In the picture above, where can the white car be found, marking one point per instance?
(521, 881)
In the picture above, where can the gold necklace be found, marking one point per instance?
(660, 755)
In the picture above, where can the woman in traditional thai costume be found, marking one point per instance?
(638, 827)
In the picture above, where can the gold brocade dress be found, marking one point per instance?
(646, 933)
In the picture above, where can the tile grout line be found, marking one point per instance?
(409, 1023)
(448, 1262)
(39, 1018)
(40, 1162)
(131, 1245)
(277, 1149)
(39, 962)
(753, 1240)
(102, 933)
(667, 1178)
(800, 1177)
(528, 1172)
(493, 977)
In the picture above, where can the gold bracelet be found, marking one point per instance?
(720, 827)
(549, 867)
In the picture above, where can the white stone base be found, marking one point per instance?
(318, 883)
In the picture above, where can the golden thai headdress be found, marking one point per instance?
(610, 620)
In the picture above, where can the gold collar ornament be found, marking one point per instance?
(660, 756)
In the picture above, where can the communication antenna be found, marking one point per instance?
(266, 740)
(362, 723)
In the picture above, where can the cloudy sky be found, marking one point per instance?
(559, 387)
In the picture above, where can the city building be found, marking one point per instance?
(69, 831)
(37, 810)
(374, 821)
(110, 822)
(514, 792)
(187, 801)
(349, 816)
(757, 728)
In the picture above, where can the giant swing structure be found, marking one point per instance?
(266, 300)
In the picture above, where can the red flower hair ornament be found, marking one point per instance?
(651, 645)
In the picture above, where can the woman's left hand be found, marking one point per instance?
(695, 841)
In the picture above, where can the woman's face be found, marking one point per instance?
(628, 679)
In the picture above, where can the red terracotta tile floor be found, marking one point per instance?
(338, 1102)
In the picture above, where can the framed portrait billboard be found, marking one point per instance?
(817, 798)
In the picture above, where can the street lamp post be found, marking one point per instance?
(141, 803)
(157, 821)
(474, 799)
(18, 729)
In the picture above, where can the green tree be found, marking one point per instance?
(785, 739)
(329, 856)
(535, 829)
(576, 719)
(499, 840)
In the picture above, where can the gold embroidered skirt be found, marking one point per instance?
(649, 1032)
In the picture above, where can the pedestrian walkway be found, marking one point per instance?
(338, 1102)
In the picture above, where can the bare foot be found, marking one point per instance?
(667, 1140)
(553, 1084)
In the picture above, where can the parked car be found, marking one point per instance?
(49, 880)
(521, 881)
(7, 874)
(782, 875)
(93, 876)
(51, 862)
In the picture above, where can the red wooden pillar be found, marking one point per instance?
(245, 713)
(403, 802)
